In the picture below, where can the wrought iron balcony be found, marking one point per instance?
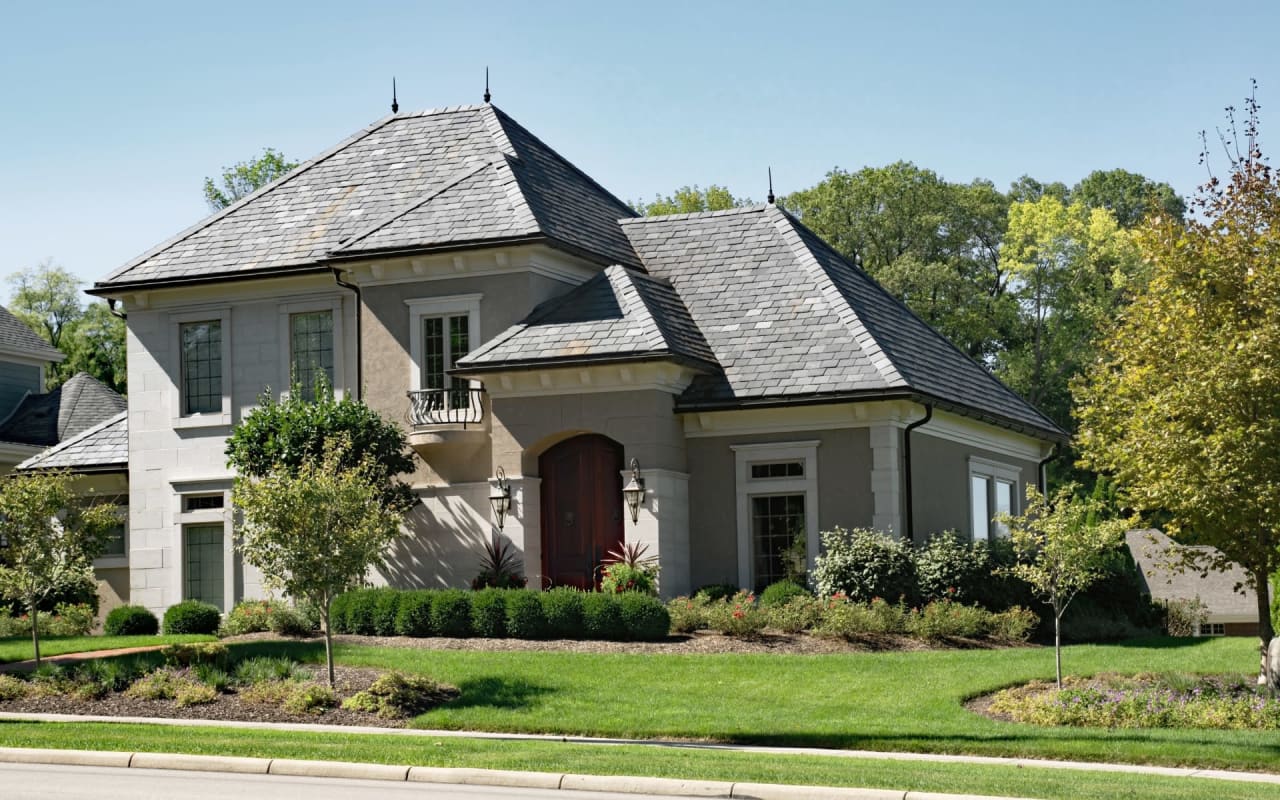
(429, 407)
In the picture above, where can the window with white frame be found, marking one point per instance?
(1211, 629)
(777, 499)
(442, 330)
(993, 490)
(311, 350)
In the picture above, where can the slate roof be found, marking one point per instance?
(104, 446)
(16, 335)
(619, 313)
(1150, 550)
(75, 406)
(458, 176)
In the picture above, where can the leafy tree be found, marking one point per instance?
(95, 343)
(1182, 407)
(1062, 549)
(1127, 195)
(290, 433)
(246, 177)
(691, 200)
(1028, 190)
(47, 536)
(47, 298)
(315, 530)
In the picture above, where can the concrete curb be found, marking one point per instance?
(621, 784)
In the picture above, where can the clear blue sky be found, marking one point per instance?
(111, 114)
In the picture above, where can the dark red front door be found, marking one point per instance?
(581, 508)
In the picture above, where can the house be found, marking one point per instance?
(1228, 612)
(544, 346)
(24, 366)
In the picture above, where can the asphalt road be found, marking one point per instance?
(44, 782)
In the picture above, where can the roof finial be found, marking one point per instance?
(395, 106)
(771, 198)
(486, 85)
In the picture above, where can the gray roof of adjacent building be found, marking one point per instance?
(16, 336)
(103, 447)
(461, 176)
(75, 406)
(1151, 550)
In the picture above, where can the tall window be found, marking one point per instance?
(203, 563)
(311, 349)
(777, 535)
(992, 492)
(201, 344)
(446, 339)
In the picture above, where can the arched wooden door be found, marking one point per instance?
(581, 508)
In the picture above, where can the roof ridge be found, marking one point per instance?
(635, 300)
(65, 443)
(441, 110)
(864, 336)
(387, 219)
(237, 205)
(724, 212)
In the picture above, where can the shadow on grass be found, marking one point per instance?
(493, 691)
(1163, 642)
(307, 652)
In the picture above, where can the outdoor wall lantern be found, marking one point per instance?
(500, 496)
(633, 492)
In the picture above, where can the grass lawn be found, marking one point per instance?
(21, 650)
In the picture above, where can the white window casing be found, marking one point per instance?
(993, 489)
(285, 313)
(746, 487)
(448, 306)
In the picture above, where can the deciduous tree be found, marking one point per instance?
(46, 297)
(245, 178)
(691, 200)
(1129, 196)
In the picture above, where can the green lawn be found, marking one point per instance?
(1051, 784)
(21, 650)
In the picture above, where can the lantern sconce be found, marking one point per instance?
(633, 492)
(500, 496)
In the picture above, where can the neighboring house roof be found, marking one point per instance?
(75, 406)
(453, 177)
(16, 336)
(103, 447)
(618, 314)
(1151, 552)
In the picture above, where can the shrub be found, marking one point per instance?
(212, 676)
(12, 688)
(413, 615)
(190, 693)
(76, 589)
(777, 594)
(286, 621)
(602, 617)
(644, 617)
(800, 613)
(688, 614)
(162, 684)
(1013, 625)
(310, 698)
(617, 578)
(944, 619)
(397, 696)
(717, 591)
(499, 566)
(525, 619)
(69, 620)
(248, 616)
(386, 603)
(360, 612)
(489, 613)
(339, 613)
(951, 568)
(265, 669)
(267, 693)
(864, 564)
(562, 607)
(739, 615)
(131, 621)
(848, 620)
(112, 674)
(187, 655)
(451, 613)
(192, 616)
(1182, 616)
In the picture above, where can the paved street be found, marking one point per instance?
(47, 782)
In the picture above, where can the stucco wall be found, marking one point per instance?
(844, 493)
(941, 482)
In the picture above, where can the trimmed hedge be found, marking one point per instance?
(561, 613)
(192, 616)
(131, 621)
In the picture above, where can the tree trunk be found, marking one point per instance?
(1265, 631)
(35, 630)
(328, 638)
(1057, 646)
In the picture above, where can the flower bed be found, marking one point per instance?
(1171, 700)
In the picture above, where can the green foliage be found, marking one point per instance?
(739, 615)
(951, 568)
(47, 298)
(12, 688)
(451, 613)
(246, 177)
(717, 591)
(248, 616)
(192, 616)
(644, 617)
(525, 617)
(399, 696)
(1184, 616)
(489, 613)
(73, 588)
(385, 608)
(602, 617)
(691, 200)
(688, 614)
(131, 620)
(799, 613)
(1013, 625)
(945, 619)
(310, 698)
(360, 609)
(499, 566)
(845, 619)
(413, 615)
(1130, 197)
(191, 654)
(268, 693)
(864, 564)
(213, 676)
(781, 592)
(289, 621)
(266, 669)
(562, 607)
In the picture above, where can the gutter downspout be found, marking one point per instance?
(337, 277)
(1042, 480)
(111, 306)
(906, 465)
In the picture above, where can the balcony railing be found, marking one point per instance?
(446, 407)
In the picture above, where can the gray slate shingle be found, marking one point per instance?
(46, 419)
(103, 446)
(17, 335)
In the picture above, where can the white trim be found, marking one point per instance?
(993, 472)
(664, 376)
(481, 262)
(222, 314)
(746, 487)
(421, 308)
(886, 477)
(26, 359)
(285, 312)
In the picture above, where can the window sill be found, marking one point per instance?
(111, 562)
(202, 421)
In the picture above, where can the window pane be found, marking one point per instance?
(203, 562)
(311, 348)
(784, 469)
(777, 523)
(978, 502)
(459, 346)
(1004, 505)
(114, 543)
(201, 344)
(433, 353)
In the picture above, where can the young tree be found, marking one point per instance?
(47, 535)
(245, 178)
(1182, 408)
(1062, 549)
(316, 530)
